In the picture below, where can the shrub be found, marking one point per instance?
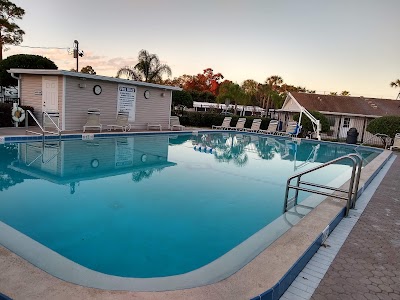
(203, 96)
(389, 125)
(205, 119)
(23, 61)
(182, 98)
(307, 124)
(6, 118)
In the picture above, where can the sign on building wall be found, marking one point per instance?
(127, 100)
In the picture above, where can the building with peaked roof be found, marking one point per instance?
(343, 112)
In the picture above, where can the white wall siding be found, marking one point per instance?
(30, 86)
(78, 100)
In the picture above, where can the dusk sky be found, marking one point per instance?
(323, 45)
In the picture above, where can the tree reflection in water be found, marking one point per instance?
(234, 147)
(138, 176)
(8, 177)
(266, 150)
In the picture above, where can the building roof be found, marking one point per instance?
(89, 76)
(348, 105)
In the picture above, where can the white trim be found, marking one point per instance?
(88, 76)
(170, 108)
(334, 113)
(63, 103)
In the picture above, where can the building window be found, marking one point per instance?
(346, 122)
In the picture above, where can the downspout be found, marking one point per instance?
(18, 87)
(363, 130)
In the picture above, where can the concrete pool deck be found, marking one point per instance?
(21, 280)
(368, 264)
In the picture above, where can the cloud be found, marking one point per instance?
(103, 65)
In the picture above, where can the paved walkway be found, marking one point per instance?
(368, 264)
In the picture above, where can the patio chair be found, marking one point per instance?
(396, 142)
(225, 124)
(175, 124)
(292, 129)
(272, 127)
(154, 126)
(121, 122)
(93, 119)
(239, 125)
(255, 126)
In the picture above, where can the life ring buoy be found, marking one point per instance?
(18, 114)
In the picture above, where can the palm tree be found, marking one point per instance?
(274, 82)
(395, 83)
(345, 93)
(148, 69)
(232, 92)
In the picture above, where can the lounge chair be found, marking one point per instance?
(272, 127)
(121, 122)
(396, 142)
(239, 125)
(255, 126)
(175, 124)
(225, 123)
(93, 119)
(154, 126)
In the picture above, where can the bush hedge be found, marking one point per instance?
(6, 118)
(389, 125)
(205, 119)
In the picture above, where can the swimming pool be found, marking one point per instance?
(151, 206)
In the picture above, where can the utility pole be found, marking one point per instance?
(77, 53)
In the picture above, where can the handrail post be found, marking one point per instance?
(357, 179)
(350, 193)
(286, 195)
(296, 196)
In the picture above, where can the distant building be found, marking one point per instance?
(243, 110)
(343, 112)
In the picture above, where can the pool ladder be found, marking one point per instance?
(350, 195)
(46, 121)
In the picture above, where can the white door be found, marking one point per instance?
(50, 94)
(345, 124)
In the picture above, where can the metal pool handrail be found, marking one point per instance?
(351, 192)
(40, 126)
(45, 114)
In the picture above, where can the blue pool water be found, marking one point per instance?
(151, 205)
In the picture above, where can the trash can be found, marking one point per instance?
(352, 135)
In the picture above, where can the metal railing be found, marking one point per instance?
(386, 140)
(44, 115)
(41, 126)
(350, 194)
(44, 145)
(29, 113)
